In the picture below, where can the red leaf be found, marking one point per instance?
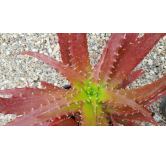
(30, 98)
(136, 117)
(120, 110)
(63, 40)
(114, 96)
(48, 85)
(132, 56)
(34, 102)
(57, 120)
(111, 49)
(147, 92)
(162, 94)
(97, 69)
(79, 53)
(113, 121)
(29, 119)
(41, 114)
(57, 113)
(112, 104)
(67, 122)
(126, 123)
(130, 78)
(129, 124)
(74, 77)
(129, 38)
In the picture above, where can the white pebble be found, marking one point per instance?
(34, 50)
(7, 52)
(150, 62)
(50, 50)
(162, 58)
(152, 72)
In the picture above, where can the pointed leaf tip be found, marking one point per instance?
(74, 77)
(110, 53)
(134, 54)
(79, 53)
(130, 78)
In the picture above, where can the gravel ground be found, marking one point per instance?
(14, 70)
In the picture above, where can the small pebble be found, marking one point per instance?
(150, 62)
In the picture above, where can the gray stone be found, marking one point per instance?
(157, 118)
(159, 68)
(147, 76)
(16, 46)
(153, 56)
(158, 54)
(148, 67)
(20, 67)
(41, 71)
(139, 66)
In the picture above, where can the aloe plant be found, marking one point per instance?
(98, 95)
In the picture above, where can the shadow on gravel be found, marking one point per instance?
(163, 106)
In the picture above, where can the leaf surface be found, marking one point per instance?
(74, 77)
(130, 78)
(103, 119)
(136, 117)
(126, 123)
(34, 102)
(63, 40)
(162, 94)
(88, 116)
(57, 120)
(132, 56)
(79, 53)
(113, 45)
(66, 122)
(57, 113)
(114, 96)
(113, 121)
(147, 92)
(129, 38)
(120, 110)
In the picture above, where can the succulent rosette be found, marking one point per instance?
(98, 95)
